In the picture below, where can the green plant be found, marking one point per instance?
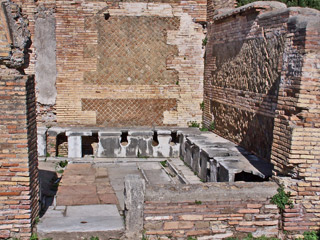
(47, 154)
(193, 124)
(204, 41)
(144, 237)
(60, 171)
(177, 82)
(191, 238)
(36, 220)
(164, 163)
(94, 238)
(63, 164)
(202, 106)
(34, 237)
(203, 129)
(312, 235)
(250, 237)
(212, 126)
(197, 202)
(141, 156)
(281, 199)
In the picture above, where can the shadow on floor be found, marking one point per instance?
(48, 188)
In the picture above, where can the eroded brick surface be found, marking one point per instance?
(134, 50)
(124, 112)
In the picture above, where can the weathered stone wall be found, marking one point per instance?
(261, 91)
(242, 75)
(118, 63)
(19, 201)
(295, 148)
(15, 38)
(216, 210)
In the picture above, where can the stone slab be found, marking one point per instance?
(88, 218)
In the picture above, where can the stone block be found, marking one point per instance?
(134, 201)
(42, 141)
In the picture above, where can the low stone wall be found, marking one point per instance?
(210, 211)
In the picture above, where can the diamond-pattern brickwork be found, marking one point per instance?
(129, 112)
(131, 52)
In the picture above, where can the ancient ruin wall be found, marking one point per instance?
(136, 64)
(216, 210)
(118, 63)
(18, 157)
(19, 202)
(295, 148)
(263, 93)
(242, 75)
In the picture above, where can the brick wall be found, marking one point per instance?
(295, 149)
(261, 82)
(242, 75)
(216, 211)
(19, 201)
(216, 5)
(145, 52)
(18, 157)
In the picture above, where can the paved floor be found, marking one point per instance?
(79, 222)
(90, 197)
(82, 184)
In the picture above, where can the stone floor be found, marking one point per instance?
(83, 184)
(90, 197)
(81, 222)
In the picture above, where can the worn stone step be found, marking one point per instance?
(80, 222)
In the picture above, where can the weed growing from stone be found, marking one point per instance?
(144, 237)
(191, 238)
(250, 237)
(164, 163)
(203, 129)
(312, 235)
(212, 126)
(63, 164)
(194, 124)
(281, 199)
(197, 202)
(94, 238)
(34, 237)
(202, 106)
(204, 41)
